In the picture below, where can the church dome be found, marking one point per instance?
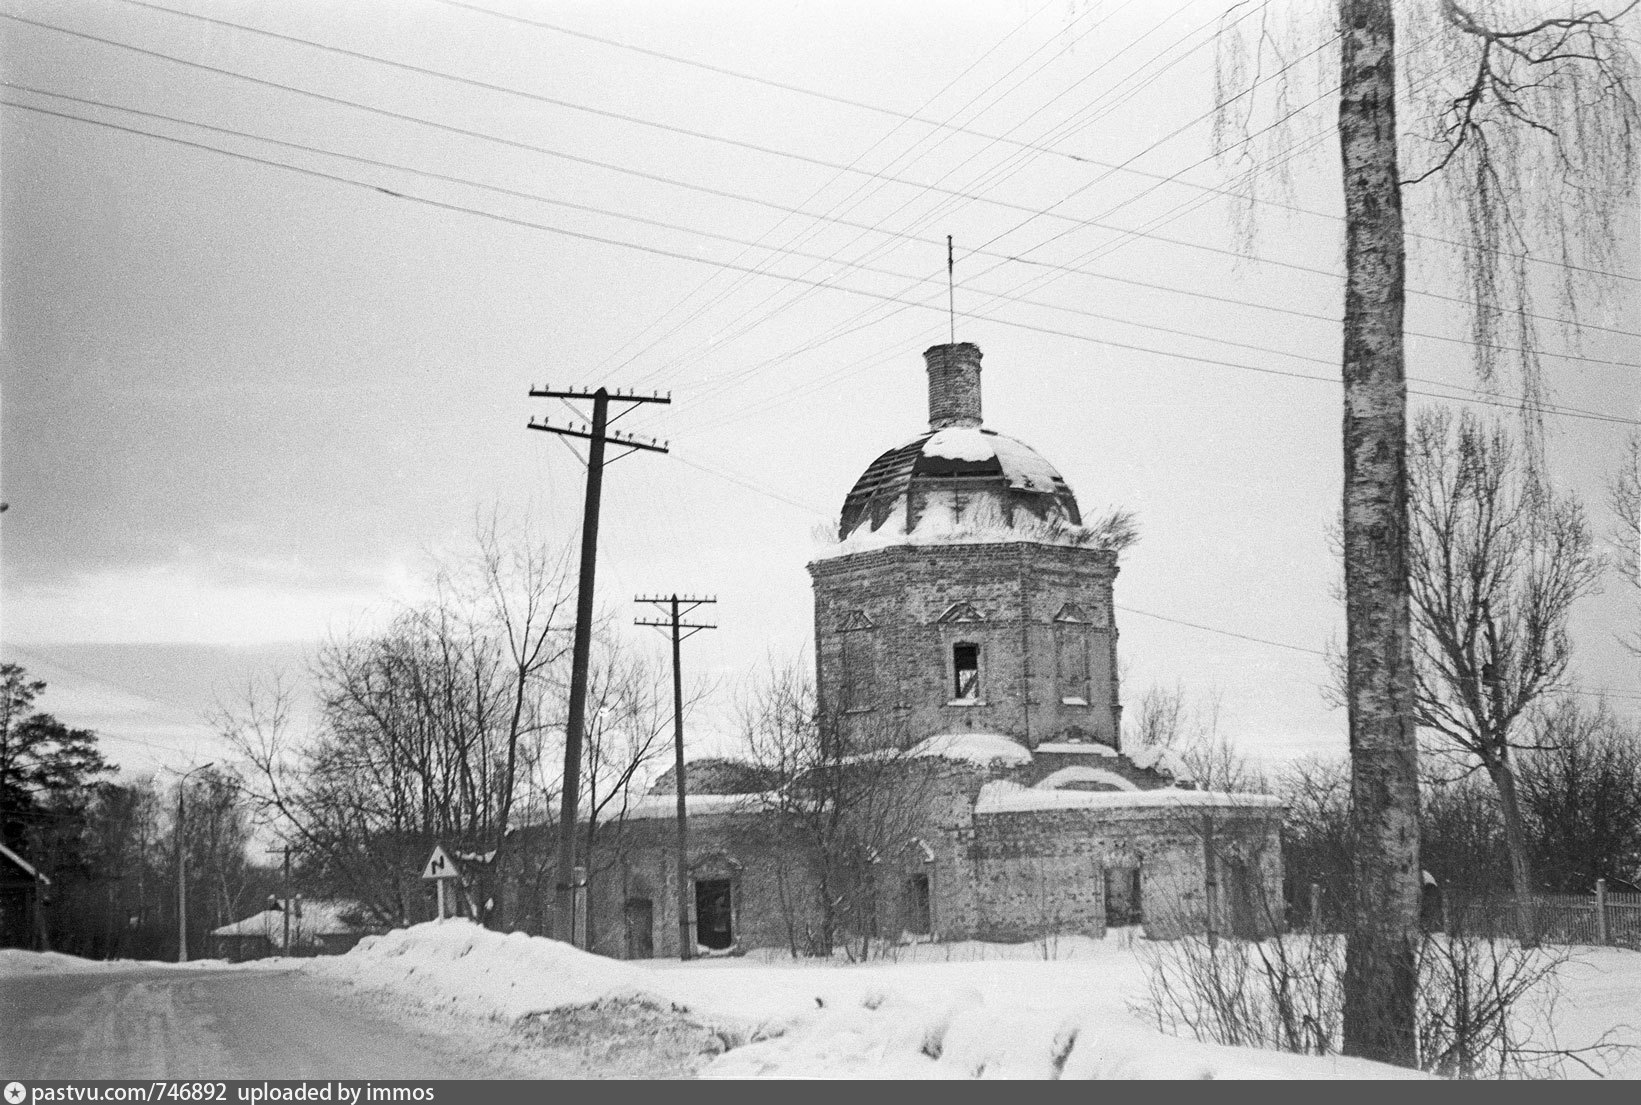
(957, 474)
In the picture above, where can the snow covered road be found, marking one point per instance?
(157, 1022)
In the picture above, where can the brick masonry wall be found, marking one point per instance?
(1004, 876)
(1018, 589)
(1047, 867)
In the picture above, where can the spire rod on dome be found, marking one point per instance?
(951, 293)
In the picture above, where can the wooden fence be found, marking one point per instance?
(1602, 918)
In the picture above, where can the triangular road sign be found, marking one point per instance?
(440, 865)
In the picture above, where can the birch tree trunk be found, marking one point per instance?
(1380, 974)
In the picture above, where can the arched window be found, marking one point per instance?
(858, 690)
(965, 672)
(1072, 655)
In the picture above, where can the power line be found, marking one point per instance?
(1222, 632)
(1003, 139)
(506, 219)
(536, 197)
(976, 186)
(403, 117)
(866, 190)
(1561, 411)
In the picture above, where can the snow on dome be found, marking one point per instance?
(1025, 468)
(961, 443)
(918, 479)
(984, 749)
(1001, 796)
(1071, 776)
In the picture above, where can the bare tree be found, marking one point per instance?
(629, 723)
(1167, 719)
(847, 796)
(1316, 841)
(1625, 497)
(1581, 789)
(1498, 560)
(427, 731)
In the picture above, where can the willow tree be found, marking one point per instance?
(1516, 132)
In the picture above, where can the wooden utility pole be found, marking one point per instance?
(285, 906)
(598, 435)
(182, 864)
(676, 607)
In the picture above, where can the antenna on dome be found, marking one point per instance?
(951, 296)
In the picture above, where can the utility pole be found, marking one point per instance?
(676, 607)
(182, 872)
(598, 434)
(285, 907)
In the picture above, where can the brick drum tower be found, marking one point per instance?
(964, 593)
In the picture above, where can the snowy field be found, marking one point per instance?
(1054, 1009)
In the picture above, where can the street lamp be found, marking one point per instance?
(182, 872)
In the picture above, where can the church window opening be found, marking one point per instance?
(966, 671)
(857, 670)
(714, 920)
(1071, 662)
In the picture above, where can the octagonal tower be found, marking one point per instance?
(964, 593)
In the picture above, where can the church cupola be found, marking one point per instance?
(954, 385)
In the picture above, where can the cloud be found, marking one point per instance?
(211, 600)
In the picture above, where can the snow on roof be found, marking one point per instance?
(1064, 748)
(936, 527)
(318, 917)
(984, 749)
(1004, 797)
(651, 807)
(1151, 757)
(1067, 776)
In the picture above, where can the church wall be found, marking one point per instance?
(1045, 869)
(1017, 589)
(739, 848)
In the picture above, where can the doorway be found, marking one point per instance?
(714, 913)
(640, 928)
(1122, 897)
(918, 919)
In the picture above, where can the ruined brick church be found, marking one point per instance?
(964, 628)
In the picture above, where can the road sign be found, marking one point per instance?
(440, 865)
(441, 868)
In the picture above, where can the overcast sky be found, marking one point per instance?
(244, 406)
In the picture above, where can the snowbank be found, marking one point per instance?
(15, 963)
(1019, 1017)
(459, 966)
